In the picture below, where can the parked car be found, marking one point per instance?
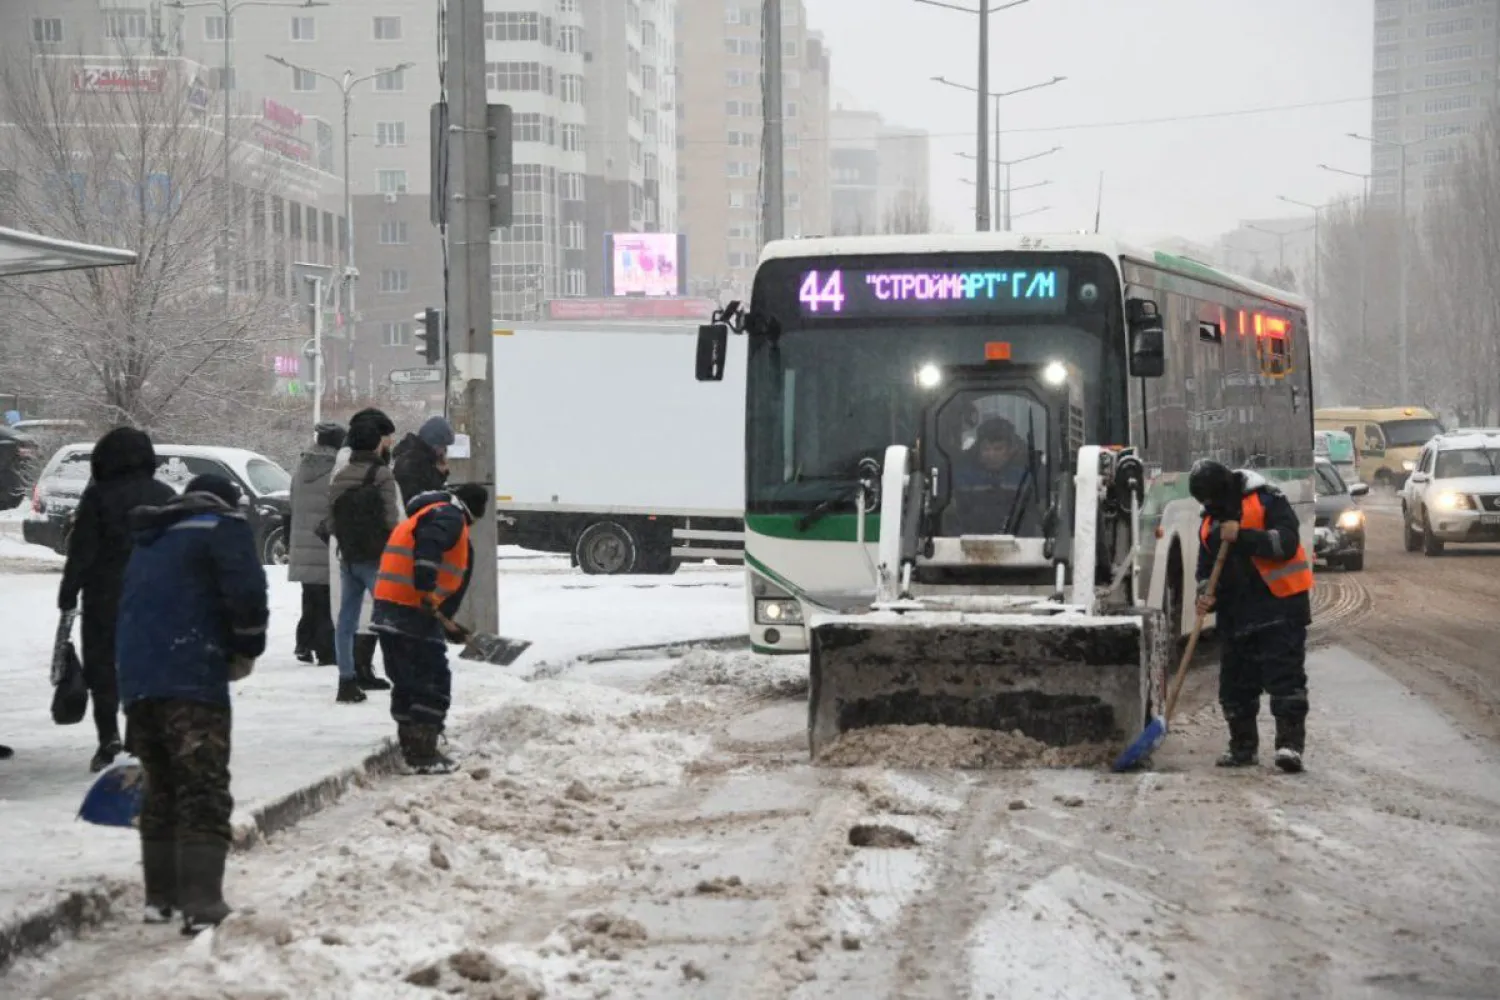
(18, 457)
(266, 485)
(1339, 528)
(1453, 495)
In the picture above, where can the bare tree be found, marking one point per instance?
(908, 213)
(132, 162)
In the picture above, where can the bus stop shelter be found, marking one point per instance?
(27, 253)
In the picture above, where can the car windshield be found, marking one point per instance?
(267, 477)
(1462, 463)
(73, 470)
(1328, 482)
(1410, 433)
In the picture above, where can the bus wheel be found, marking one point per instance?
(606, 548)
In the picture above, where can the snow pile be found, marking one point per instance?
(706, 671)
(945, 747)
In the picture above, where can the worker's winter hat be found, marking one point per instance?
(1210, 482)
(217, 486)
(376, 417)
(473, 496)
(436, 432)
(329, 434)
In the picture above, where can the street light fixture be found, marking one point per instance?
(996, 97)
(1317, 211)
(346, 84)
(982, 198)
(226, 84)
(1349, 173)
(1034, 211)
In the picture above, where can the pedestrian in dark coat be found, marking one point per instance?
(422, 458)
(1264, 607)
(307, 551)
(123, 464)
(425, 571)
(192, 619)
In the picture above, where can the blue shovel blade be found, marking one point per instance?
(114, 799)
(1144, 746)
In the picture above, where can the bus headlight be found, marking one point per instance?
(778, 611)
(1449, 500)
(929, 376)
(1352, 520)
(1055, 374)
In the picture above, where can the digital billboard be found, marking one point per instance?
(645, 264)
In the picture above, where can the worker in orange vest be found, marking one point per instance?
(1264, 607)
(423, 576)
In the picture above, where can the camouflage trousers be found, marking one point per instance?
(183, 747)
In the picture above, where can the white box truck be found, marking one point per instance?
(609, 450)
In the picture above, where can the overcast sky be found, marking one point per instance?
(1125, 60)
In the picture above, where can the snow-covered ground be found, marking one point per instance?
(288, 730)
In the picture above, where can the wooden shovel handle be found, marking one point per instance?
(1192, 646)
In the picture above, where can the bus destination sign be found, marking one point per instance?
(871, 293)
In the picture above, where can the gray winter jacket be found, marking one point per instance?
(308, 555)
(352, 475)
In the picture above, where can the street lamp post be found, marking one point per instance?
(996, 97)
(982, 199)
(346, 84)
(1364, 255)
(1317, 211)
(226, 84)
(1003, 167)
(1281, 239)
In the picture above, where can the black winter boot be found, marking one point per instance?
(159, 864)
(426, 758)
(1244, 742)
(350, 692)
(108, 750)
(200, 885)
(6, 753)
(364, 664)
(1291, 737)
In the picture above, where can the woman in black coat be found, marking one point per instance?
(123, 464)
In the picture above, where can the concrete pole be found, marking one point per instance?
(1403, 374)
(348, 278)
(470, 317)
(982, 154)
(998, 203)
(773, 209)
(226, 83)
(317, 358)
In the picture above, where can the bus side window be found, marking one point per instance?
(1274, 349)
(1374, 440)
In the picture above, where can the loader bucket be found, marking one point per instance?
(1062, 679)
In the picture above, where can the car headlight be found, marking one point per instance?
(1449, 500)
(1409, 466)
(1351, 520)
(778, 611)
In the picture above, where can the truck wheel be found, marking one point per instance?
(606, 548)
(1355, 563)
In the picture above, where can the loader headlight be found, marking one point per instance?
(1409, 465)
(929, 376)
(1449, 500)
(777, 612)
(1351, 520)
(1055, 374)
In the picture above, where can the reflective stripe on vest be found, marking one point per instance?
(1284, 577)
(395, 581)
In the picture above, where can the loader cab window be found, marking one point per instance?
(999, 483)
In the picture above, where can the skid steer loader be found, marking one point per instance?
(1005, 598)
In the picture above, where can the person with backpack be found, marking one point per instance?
(363, 507)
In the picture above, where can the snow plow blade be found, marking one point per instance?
(1063, 679)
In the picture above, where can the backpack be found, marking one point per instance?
(359, 521)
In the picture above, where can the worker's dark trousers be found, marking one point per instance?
(1271, 658)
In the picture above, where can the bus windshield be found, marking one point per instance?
(826, 394)
(1409, 433)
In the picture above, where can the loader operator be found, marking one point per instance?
(1263, 608)
(988, 479)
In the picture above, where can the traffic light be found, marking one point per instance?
(430, 335)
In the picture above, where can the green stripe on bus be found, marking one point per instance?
(832, 528)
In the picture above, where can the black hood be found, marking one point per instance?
(148, 523)
(123, 453)
(411, 443)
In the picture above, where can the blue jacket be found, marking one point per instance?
(194, 595)
(437, 531)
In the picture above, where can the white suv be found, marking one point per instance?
(1453, 494)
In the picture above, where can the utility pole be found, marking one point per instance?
(470, 357)
(982, 144)
(773, 207)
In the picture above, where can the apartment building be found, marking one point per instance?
(880, 173)
(1436, 67)
(721, 125)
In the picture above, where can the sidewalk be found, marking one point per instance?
(293, 745)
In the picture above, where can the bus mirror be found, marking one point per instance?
(713, 343)
(1148, 339)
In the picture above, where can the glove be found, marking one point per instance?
(240, 667)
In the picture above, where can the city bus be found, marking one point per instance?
(1177, 359)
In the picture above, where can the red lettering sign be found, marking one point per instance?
(279, 114)
(119, 79)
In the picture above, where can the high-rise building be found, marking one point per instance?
(880, 173)
(1436, 74)
(721, 128)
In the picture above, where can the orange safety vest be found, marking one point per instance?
(396, 580)
(1284, 577)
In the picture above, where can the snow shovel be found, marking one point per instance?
(484, 646)
(1156, 730)
(114, 799)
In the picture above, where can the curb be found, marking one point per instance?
(80, 909)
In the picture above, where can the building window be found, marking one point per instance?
(394, 233)
(738, 168)
(216, 28)
(1452, 78)
(304, 29)
(575, 283)
(394, 281)
(391, 181)
(1450, 53)
(387, 29)
(570, 39)
(1439, 131)
(512, 26)
(304, 82)
(632, 60)
(1385, 108)
(736, 199)
(572, 138)
(47, 30)
(791, 109)
(572, 88)
(648, 78)
(1455, 26)
(519, 76)
(392, 82)
(573, 236)
(219, 79)
(738, 259)
(396, 334)
(390, 133)
(1448, 105)
(571, 186)
(125, 24)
